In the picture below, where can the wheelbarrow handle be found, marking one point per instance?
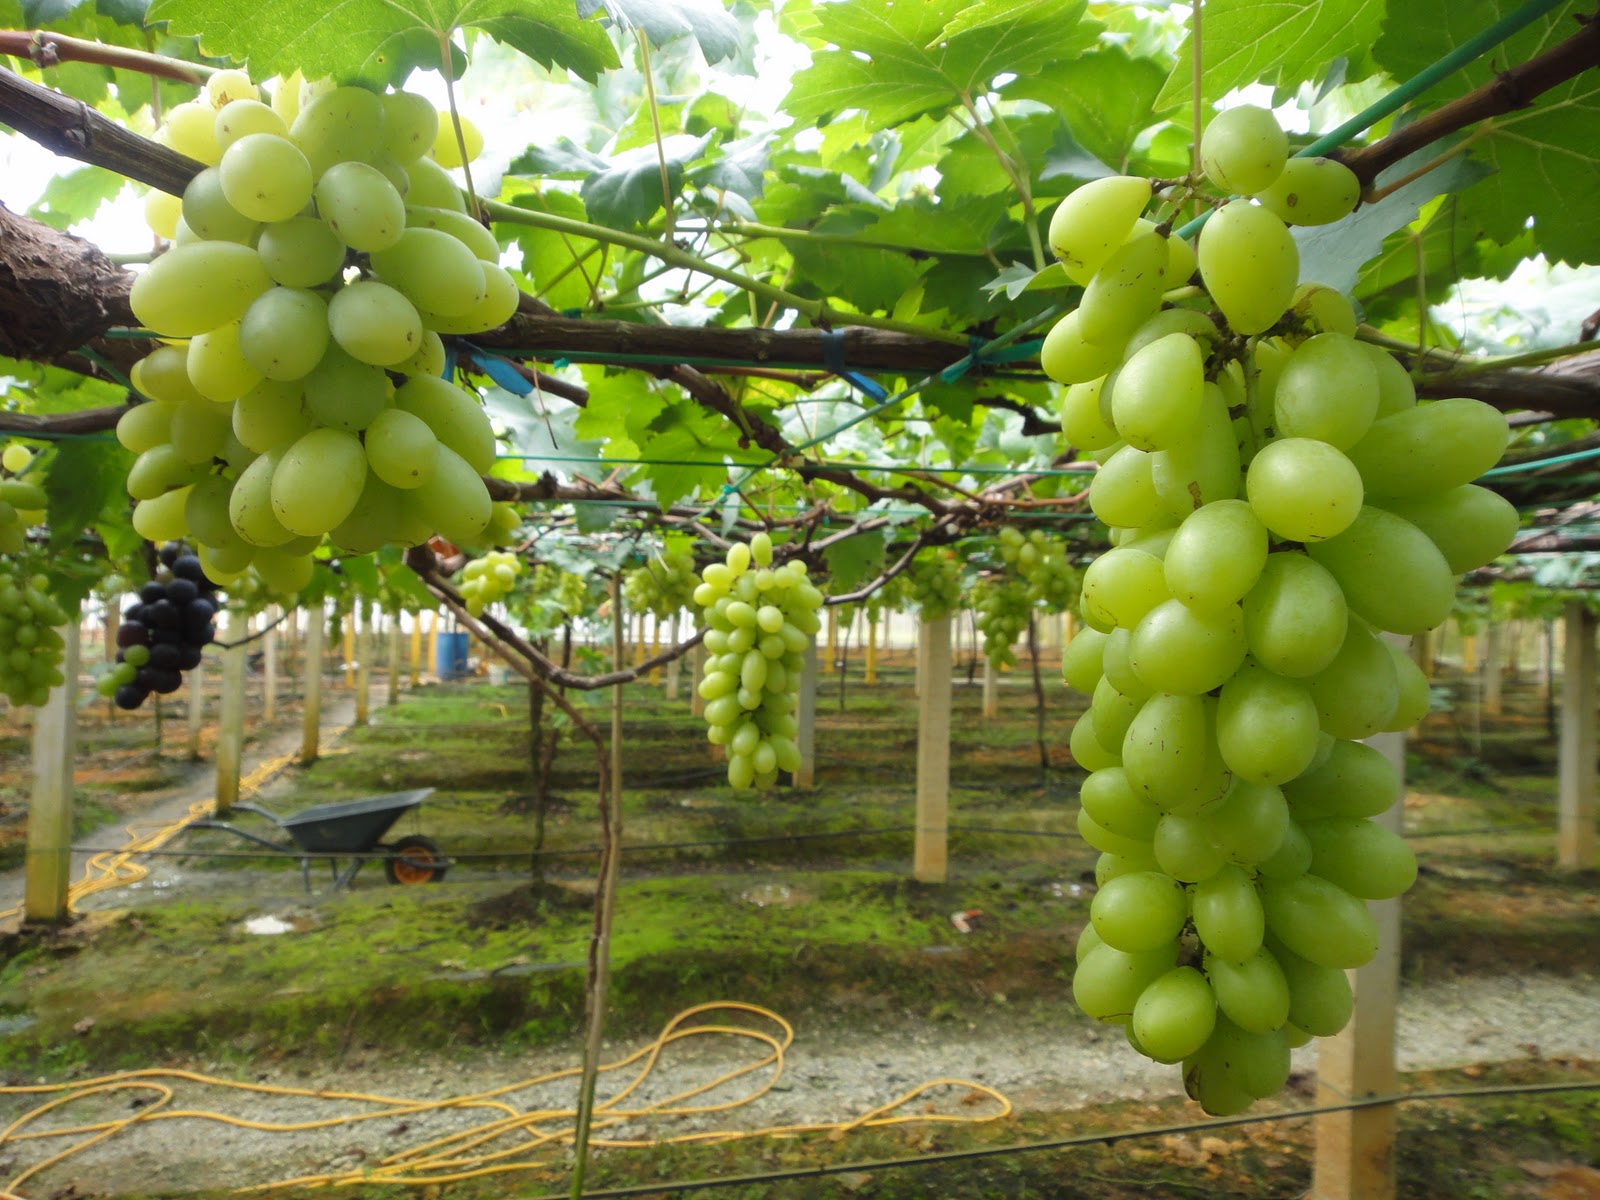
(213, 823)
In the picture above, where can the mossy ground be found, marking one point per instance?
(719, 901)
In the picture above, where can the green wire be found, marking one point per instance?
(1534, 465)
(839, 464)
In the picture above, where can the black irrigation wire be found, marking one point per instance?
(1078, 1140)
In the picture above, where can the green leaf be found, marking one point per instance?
(628, 190)
(856, 560)
(548, 258)
(84, 478)
(712, 26)
(895, 61)
(954, 225)
(75, 196)
(379, 41)
(621, 408)
(1247, 41)
(740, 167)
(1106, 98)
(1544, 157)
(1019, 278)
(953, 400)
(1334, 254)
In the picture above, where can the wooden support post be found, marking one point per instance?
(991, 699)
(922, 657)
(931, 852)
(348, 624)
(311, 718)
(638, 639)
(871, 675)
(806, 717)
(1494, 646)
(113, 627)
(1422, 649)
(416, 649)
(48, 875)
(230, 718)
(675, 667)
(1355, 1150)
(196, 683)
(393, 658)
(655, 649)
(697, 702)
(1575, 840)
(362, 618)
(436, 620)
(269, 665)
(1469, 655)
(833, 642)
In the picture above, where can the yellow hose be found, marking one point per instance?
(478, 1151)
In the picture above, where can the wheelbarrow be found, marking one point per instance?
(349, 828)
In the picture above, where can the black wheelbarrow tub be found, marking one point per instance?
(350, 826)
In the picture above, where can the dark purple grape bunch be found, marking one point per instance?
(162, 635)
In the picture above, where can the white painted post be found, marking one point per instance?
(1575, 839)
(931, 852)
(311, 728)
(1355, 1149)
(806, 717)
(697, 702)
(675, 667)
(872, 652)
(833, 641)
(196, 683)
(230, 720)
(48, 875)
(393, 658)
(1494, 653)
(362, 616)
(991, 700)
(269, 665)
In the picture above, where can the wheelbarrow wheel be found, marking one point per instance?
(415, 859)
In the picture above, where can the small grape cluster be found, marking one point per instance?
(1042, 562)
(315, 262)
(761, 618)
(485, 580)
(664, 586)
(21, 503)
(934, 584)
(30, 642)
(162, 635)
(1277, 499)
(1003, 605)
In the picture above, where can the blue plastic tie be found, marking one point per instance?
(503, 373)
(833, 359)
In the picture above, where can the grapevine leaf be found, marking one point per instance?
(956, 225)
(856, 560)
(84, 478)
(542, 435)
(561, 159)
(895, 62)
(620, 410)
(953, 400)
(1247, 41)
(713, 27)
(1334, 254)
(740, 167)
(1106, 98)
(75, 196)
(1544, 157)
(39, 14)
(629, 190)
(379, 41)
(1019, 278)
(555, 263)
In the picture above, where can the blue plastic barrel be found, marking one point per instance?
(452, 656)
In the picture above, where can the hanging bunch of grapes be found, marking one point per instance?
(663, 587)
(1278, 501)
(934, 583)
(486, 580)
(759, 619)
(314, 263)
(163, 634)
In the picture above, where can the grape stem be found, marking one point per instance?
(455, 122)
(45, 50)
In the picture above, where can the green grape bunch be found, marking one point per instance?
(1278, 501)
(314, 263)
(22, 503)
(31, 646)
(934, 584)
(1003, 604)
(760, 619)
(488, 579)
(664, 586)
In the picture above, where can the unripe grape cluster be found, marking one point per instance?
(30, 641)
(1003, 606)
(161, 636)
(934, 583)
(760, 620)
(1278, 500)
(315, 262)
(1042, 562)
(21, 503)
(664, 586)
(487, 579)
